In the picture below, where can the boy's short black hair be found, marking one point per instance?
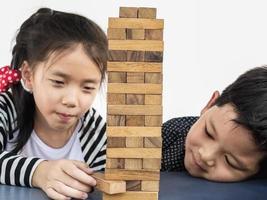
(248, 95)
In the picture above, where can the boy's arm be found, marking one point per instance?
(14, 169)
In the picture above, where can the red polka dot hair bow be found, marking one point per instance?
(8, 77)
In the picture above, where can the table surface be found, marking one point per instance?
(173, 186)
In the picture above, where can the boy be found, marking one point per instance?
(228, 141)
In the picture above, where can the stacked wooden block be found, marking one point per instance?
(134, 112)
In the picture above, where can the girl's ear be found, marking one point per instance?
(26, 76)
(211, 102)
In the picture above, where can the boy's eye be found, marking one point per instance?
(229, 163)
(207, 133)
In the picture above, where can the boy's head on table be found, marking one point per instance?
(229, 140)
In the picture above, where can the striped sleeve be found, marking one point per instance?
(94, 140)
(14, 169)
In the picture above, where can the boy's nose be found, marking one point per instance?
(208, 155)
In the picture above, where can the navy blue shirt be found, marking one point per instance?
(174, 132)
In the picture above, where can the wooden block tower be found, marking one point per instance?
(134, 110)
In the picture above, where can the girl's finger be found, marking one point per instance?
(55, 195)
(69, 191)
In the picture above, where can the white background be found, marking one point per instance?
(207, 43)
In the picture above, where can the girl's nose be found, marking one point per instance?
(70, 99)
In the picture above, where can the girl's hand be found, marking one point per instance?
(64, 179)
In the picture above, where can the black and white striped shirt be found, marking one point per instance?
(18, 170)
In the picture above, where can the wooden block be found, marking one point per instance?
(147, 13)
(152, 77)
(108, 186)
(133, 185)
(152, 142)
(134, 88)
(153, 120)
(135, 99)
(135, 77)
(135, 56)
(132, 195)
(133, 164)
(128, 12)
(117, 77)
(117, 55)
(136, 45)
(151, 164)
(114, 142)
(117, 33)
(134, 153)
(153, 99)
(116, 120)
(134, 142)
(119, 174)
(148, 186)
(132, 23)
(131, 131)
(154, 34)
(135, 120)
(134, 110)
(115, 163)
(116, 99)
(135, 34)
(153, 56)
(134, 67)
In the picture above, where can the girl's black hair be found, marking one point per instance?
(248, 95)
(43, 33)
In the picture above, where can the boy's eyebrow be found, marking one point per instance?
(66, 76)
(241, 165)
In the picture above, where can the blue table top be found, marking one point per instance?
(173, 186)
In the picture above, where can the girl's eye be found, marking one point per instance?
(207, 133)
(88, 89)
(57, 82)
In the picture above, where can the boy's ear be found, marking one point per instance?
(211, 102)
(26, 75)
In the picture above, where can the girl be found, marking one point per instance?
(50, 136)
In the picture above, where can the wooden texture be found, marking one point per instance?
(153, 56)
(113, 99)
(135, 56)
(138, 88)
(119, 174)
(118, 33)
(117, 77)
(135, 99)
(153, 99)
(108, 186)
(134, 152)
(116, 120)
(153, 120)
(147, 13)
(132, 195)
(128, 12)
(135, 34)
(117, 55)
(135, 77)
(133, 131)
(152, 77)
(134, 110)
(134, 67)
(153, 34)
(135, 120)
(149, 186)
(132, 23)
(137, 45)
